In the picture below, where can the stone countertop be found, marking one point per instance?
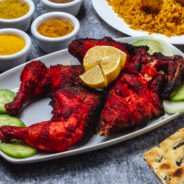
(119, 164)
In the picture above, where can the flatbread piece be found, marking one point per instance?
(167, 159)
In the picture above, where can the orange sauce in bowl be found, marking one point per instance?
(55, 28)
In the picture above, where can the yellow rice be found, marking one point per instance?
(169, 21)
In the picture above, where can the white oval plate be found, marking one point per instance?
(107, 14)
(40, 110)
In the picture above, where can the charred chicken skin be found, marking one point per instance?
(79, 48)
(129, 104)
(60, 76)
(34, 82)
(132, 100)
(136, 96)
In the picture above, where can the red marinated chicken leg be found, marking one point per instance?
(37, 80)
(48, 136)
(34, 82)
(74, 108)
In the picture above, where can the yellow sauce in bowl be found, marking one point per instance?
(12, 9)
(11, 44)
(55, 28)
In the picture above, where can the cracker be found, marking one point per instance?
(167, 159)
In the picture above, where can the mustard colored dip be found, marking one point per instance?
(55, 28)
(12, 9)
(11, 44)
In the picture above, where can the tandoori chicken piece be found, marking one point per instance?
(49, 136)
(34, 82)
(129, 104)
(74, 108)
(169, 68)
(136, 97)
(77, 95)
(79, 48)
(61, 75)
(173, 68)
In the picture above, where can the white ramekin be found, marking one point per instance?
(23, 22)
(72, 7)
(10, 61)
(49, 44)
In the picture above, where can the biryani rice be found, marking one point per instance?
(169, 20)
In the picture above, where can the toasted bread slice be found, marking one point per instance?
(167, 159)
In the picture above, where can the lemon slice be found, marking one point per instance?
(94, 78)
(103, 65)
(96, 54)
(111, 67)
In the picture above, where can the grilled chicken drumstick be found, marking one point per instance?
(34, 82)
(37, 80)
(74, 109)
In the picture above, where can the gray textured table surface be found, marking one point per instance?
(120, 164)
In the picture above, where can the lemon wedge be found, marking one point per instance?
(94, 78)
(111, 67)
(103, 65)
(98, 53)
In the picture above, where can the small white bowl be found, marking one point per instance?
(10, 61)
(49, 44)
(23, 22)
(72, 7)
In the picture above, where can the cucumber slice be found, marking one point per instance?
(155, 46)
(173, 107)
(6, 96)
(17, 150)
(178, 94)
(6, 120)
